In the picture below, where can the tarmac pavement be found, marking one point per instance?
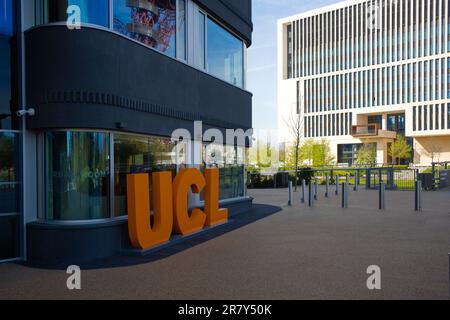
(321, 252)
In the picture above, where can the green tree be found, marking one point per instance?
(294, 125)
(306, 152)
(316, 153)
(367, 154)
(260, 155)
(321, 153)
(400, 149)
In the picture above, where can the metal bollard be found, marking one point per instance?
(310, 194)
(368, 177)
(355, 187)
(418, 196)
(303, 191)
(382, 198)
(344, 195)
(316, 188)
(337, 185)
(347, 180)
(290, 193)
(327, 186)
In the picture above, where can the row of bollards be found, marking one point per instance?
(343, 189)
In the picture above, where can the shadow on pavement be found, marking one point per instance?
(258, 212)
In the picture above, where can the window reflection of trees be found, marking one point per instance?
(228, 160)
(139, 154)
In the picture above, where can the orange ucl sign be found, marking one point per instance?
(170, 205)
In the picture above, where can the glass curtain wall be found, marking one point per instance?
(231, 164)
(9, 195)
(225, 54)
(78, 178)
(9, 145)
(77, 175)
(6, 30)
(92, 11)
(162, 25)
(141, 154)
(152, 23)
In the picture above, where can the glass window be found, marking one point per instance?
(419, 119)
(448, 116)
(77, 175)
(442, 116)
(436, 121)
(391, 122)
(201, 54)
(333, 126)
(225, 54)
(6, 26)
(9, 186)
(443, 66)
(141, 154)
(92, 11)
(152, 23)
(448, 76)
(421, 78)
(431, 118)
(289, 50)
(231, 168)
(316, 125)
(181, 30)
(431, 75)
(346, 124)
(5, 63)
(425, 81)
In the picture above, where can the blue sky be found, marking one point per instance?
(262, 55)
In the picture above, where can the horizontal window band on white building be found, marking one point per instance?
(345, 64)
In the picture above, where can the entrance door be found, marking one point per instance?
(9, 196)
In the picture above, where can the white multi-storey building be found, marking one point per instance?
(365, 71)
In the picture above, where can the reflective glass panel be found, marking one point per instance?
(6, 30)
(151, 22)
(6, 27)
(231, 164)
(77, 175)
(9, 185)
(141, 154)
(225, 54)
(92, 11)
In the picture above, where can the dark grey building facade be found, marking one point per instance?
(83, 106)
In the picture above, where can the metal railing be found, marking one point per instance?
(369, 177)
(436, 168)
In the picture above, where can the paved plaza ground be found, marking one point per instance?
(298, 253)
